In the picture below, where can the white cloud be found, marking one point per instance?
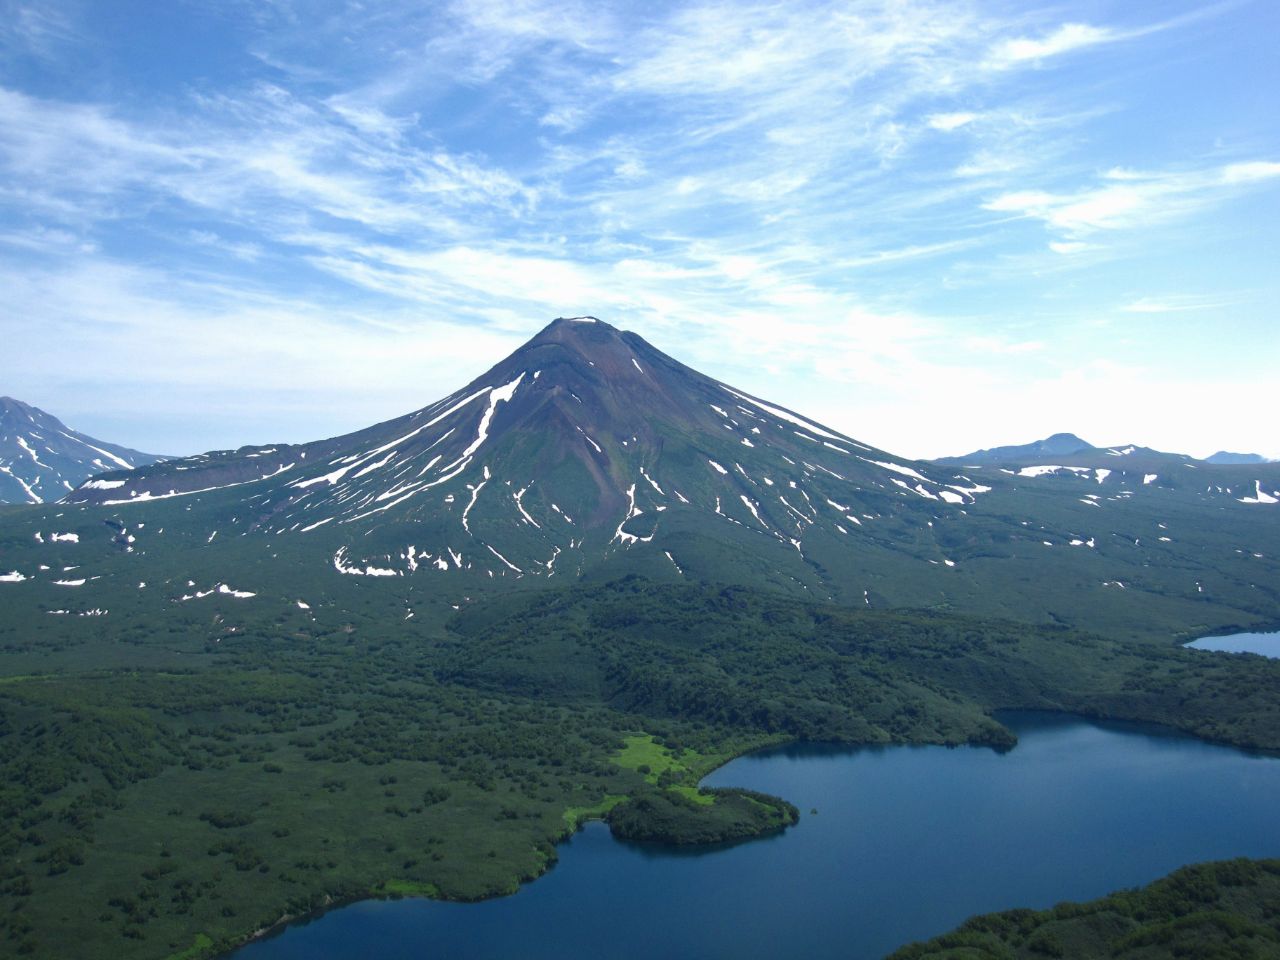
(1068, 247)
(43, 30)
(1176, 303)
(1126, 199)
(947, 122)
(1236, 173)
(760, 188)
(112, 335)
(1068, 37)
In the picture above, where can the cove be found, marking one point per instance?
(907, 842)
(1267, 644)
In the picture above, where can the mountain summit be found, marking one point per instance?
(582, 443)
(590, 453)
(41, 458)
(1059, 444)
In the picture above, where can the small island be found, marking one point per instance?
(716, 815)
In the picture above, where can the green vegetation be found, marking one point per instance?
(408, 888)
(658, 763)
(197, 949)
(680, 812)
(714, 816)
(575, 817)
(162, 775)
(1210, 911)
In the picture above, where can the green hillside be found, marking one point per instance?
(1213, 911)
(174, 782)
(249, 684)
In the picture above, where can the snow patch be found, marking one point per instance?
(653, 483)
(503, 559)
(1040, 471)
(26, 487)
(788, 417)
(1261, 495)
(475, 494)
(340, 564)
(110, 456)
(752, 507)
(496, 395)
(519, 497)
(898, 468)
(632, 511)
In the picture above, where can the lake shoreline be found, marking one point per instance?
(1258, 641)
(379, 893)
(605, 859)
(333, 903)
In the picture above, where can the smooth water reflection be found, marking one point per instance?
(906, 843)
(1267, 644)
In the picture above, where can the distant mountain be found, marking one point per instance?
(1069, 450)
(41, 459)
(1223, 456)
(1054, 446)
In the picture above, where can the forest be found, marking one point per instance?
(1210, 911)
(176, 794)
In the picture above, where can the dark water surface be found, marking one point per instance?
(1267, 644)
(907, 843)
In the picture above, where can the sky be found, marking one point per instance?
(934, 226)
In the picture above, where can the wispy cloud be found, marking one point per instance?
(1174, 303)
(1066, 38)
(42, 30)
(950, 121)
(1127, 199)
(833, 193)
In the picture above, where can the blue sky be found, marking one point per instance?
(933, 225)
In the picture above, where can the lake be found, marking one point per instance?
(1267, 644)
(907, 842)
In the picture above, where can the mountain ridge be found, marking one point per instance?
(411, 659)
(589, 453)
(1054, 445)
(1070, 445)
(1226, 456)
(42, 459)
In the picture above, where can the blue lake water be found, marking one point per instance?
(907, 842)
(1267, 644)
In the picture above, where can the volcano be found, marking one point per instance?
(585, 442)
(590, 453)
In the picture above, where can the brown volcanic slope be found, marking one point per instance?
(588, 452)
